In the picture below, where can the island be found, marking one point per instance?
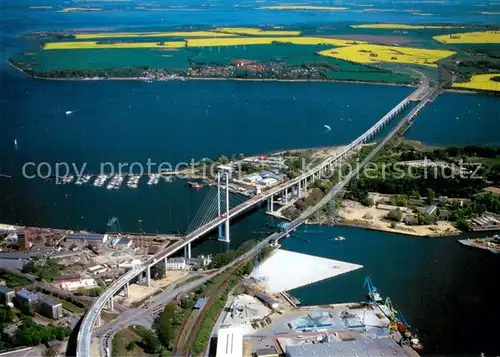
(459, 57)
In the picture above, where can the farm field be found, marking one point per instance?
(72, 45)
(82, 36)
(481, 82)
(470, 37)
(235, 41)
(367, 53)
(81, 59)
(255, 31)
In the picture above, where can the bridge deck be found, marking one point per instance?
(85, 333)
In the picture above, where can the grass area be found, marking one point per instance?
(291, 54)
(378, 77)
(268, 40)
(182, 34)
(470, 37)
(126, 343)
(304, 7)
(82, 59)
(366, 53)
(402, 27)
(13, 281)
(481, 82)
(69, 306)
(71, 45)
(255, 31)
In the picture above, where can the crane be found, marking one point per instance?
(373, 293)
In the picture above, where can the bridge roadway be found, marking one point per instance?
(85, 333)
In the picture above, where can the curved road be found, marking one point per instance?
(85, 333)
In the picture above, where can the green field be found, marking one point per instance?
(42, 61)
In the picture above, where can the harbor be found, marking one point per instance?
(260, 323)
(491, 244)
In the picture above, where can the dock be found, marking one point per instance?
(491, 244)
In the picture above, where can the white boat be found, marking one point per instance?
(339, 238)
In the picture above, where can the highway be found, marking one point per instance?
(85, 333)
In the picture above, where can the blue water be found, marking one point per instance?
(439, 285)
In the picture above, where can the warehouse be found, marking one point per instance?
(93, 238)
(229, 342)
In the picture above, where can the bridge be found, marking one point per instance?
(222, 220)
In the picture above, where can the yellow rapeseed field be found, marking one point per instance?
(73, 45)
(481, 82)
(257, 31)
(303, 7)
(401, 26)
(183, 34)
(470, 37)
(367, 53)
(235, 41)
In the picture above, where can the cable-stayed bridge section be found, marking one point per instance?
(217, 210)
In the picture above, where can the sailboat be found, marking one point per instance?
(15, 143)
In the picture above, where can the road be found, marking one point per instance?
(85, 333)
(143, 316)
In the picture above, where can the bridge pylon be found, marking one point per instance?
(223, 204)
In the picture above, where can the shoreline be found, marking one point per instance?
(346, 223)
(215, 79)
(447, 90)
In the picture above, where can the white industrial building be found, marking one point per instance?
(268, 181)
(229, 342)
(176, 264)
(124, 243)
(252, 178)
(82, 283)
(130, 264)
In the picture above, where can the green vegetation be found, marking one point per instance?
(395, 215)
(221, 259)
(94, 292)
(129, 343)
(432, 183)
(28, 333)
(47, 272)
(13, 281)
(314, 196)
(211, 315)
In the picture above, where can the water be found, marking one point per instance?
(439, 285)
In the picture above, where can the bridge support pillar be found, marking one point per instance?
(148, 276)
(111, 305)
(271, 204)
(223, 236)
(125, 290)
(166, 266)
(98, 321)
(286, 195)
(187, 251)
(299, 189)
